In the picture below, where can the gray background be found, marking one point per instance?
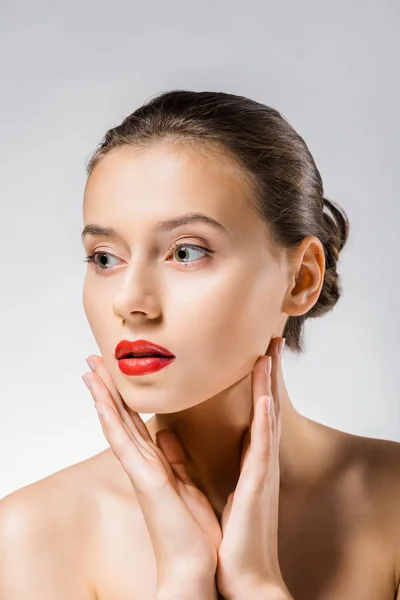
(71, 71)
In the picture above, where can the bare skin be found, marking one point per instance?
(80, 532)
(338, 538)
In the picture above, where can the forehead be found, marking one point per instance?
(162, 181)
(163, 171)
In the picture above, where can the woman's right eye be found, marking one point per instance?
(91, 258)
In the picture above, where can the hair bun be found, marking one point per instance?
(338, 227)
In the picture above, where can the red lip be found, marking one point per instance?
(140, 347)
(144, 365)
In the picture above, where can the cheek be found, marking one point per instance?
(224, 337)
(238, 319)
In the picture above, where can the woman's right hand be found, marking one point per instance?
(184, 530)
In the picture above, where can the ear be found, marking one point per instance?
(307, 271)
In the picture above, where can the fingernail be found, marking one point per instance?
(91, 363)
(281, 345)
(268, 365)
(268, 404)
(87, 382)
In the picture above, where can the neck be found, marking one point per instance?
(212, 434)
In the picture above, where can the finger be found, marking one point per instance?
(101, 394)
(161, 505)
(245, 449)
(273, 382)
(258, 379)
(121, 441)
(267, 426)
(227, 511)
(262, 428)
(141, 462)
(175, 453)
(126, 413)
(195, 501)
(275, 379)
(258, 388)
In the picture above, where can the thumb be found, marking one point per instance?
(174, 452)
(227, 511)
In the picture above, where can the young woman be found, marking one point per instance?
(209, 242)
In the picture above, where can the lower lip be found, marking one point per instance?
(144, 365)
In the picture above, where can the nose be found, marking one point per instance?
(137, 294)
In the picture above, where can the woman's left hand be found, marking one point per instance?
(248, 555)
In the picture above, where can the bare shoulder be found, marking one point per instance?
(371, 466)
(376, 488)
(45, 528)
(379, 463)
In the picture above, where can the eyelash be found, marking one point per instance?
(90, 258)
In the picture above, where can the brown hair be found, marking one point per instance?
(287, 186)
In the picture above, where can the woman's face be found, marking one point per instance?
(215, 312)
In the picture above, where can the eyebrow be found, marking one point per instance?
(169, 225)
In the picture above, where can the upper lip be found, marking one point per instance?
(139, 347)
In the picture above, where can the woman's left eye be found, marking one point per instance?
(91, 258)
(179, 247)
